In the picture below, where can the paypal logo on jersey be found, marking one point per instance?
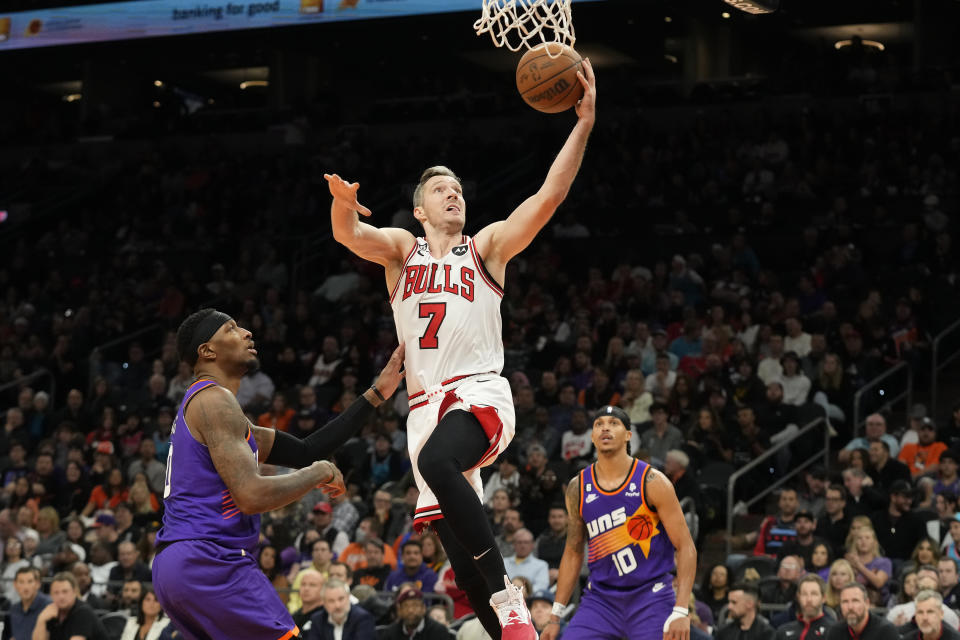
(607, 521)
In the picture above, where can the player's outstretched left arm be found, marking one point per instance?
(660, 493)
(277, 447)
(501, 241)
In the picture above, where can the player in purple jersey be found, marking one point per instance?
(628, 514)
(204, 572)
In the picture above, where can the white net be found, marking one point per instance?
(515, 24)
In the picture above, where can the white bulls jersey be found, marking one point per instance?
(447, 313)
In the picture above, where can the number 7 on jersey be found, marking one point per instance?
(435, 311)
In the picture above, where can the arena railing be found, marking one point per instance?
(937, 364)
(795, 469)
(96, 357)
(888, 400)
(30, 377)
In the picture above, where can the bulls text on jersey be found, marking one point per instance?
(419, 278)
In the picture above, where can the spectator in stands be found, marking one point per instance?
(345, 515)
(769, 368)
(677, 469)
(714, 588)
(576, 445)
(320, 560)
(355, 554)
(393, 518)
(269, 563)
(13, 561)
(795, 384)
(375, 572)
(872, 569)
(523, 563)
(130, 594)
(323, 524)
(898, 527)
(857, 621)
(311, 597)
(660, 383)
(833, 525)
(830, 388)
(81, 573)
(811, 621)
(749, 442)
(636, 400)
(540, 604)
(784, 589)
(339, 619)
(412, 569)
(923, 456)
(797, 340)
(148, 464)
(507, 476)
(745, 387)
(107, 495)
(884, 470)
(925, 553)
(660, 437)
(841, 574)
(947, 478)
(67, 617)
(127, 530)
(876, 429)
(805, 525)
(412, 622)
(23, 614)
(929, 619)
(927, 579)
(550, 544)
(947, 579)
(745, 621)
(777, 530)
(862, 497)
(128, 567)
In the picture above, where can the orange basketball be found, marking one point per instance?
(550, 84)
(640, 527)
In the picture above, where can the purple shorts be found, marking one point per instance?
(212, 592)
(637, 614)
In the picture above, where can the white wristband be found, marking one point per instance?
(558, 609)
(677, 614)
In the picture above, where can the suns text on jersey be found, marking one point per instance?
(416, 280)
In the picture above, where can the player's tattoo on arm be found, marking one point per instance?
(576, 529)
(223, 428)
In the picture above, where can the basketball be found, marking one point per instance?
(550, 84)
(639, 527)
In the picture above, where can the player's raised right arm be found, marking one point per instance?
(217, 420)
(384, 246)
(572, 559)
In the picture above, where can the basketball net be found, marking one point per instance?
(515, 24)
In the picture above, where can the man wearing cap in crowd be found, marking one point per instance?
(540, 605)
(898, 527)
(659, 437)
(875, 429)
(805, 524)
(106, 528)
(658, 345)
(923, 456)
(413, 623)
(323, 523)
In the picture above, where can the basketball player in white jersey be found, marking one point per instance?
(445, 290)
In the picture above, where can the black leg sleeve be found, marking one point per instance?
(292, 452)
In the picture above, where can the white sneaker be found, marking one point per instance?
(512, 611)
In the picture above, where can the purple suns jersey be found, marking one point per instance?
(627, 546)
(197, 504)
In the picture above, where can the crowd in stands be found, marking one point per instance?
(790, 263)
